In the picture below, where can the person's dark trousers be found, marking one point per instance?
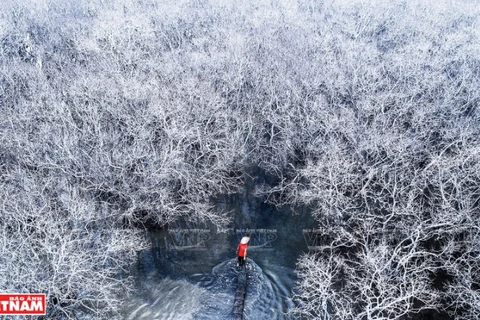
(241, 262)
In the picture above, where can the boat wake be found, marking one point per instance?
(211, 295)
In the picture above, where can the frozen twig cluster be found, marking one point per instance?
(390, 166)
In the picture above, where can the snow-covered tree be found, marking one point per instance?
(118, 115)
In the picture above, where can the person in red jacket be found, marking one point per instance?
(242, 251)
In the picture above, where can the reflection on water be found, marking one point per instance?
(189, 271)
(210, 295)
(165, 299)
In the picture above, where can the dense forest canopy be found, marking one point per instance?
(119, 115)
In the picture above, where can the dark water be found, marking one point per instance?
(210, 296)
(189, 273)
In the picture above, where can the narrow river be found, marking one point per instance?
(190, 271)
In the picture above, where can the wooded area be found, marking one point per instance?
(122, 115)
